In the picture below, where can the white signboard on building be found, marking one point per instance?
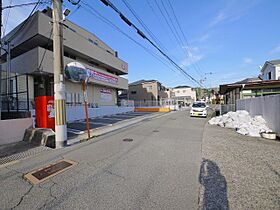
(106, 95)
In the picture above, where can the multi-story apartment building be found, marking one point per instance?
(31, 53)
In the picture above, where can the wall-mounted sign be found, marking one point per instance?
(101, 76)
(76, 72)
(106, 95)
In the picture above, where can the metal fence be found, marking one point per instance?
(126, 103)
(147, 103)
(225, 108)
(14, 96)
(267, 106)
(172, 104)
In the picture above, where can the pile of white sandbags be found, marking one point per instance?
(242, 122)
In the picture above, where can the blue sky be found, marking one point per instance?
(229, 38)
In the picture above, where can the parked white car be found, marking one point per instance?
(199, 109)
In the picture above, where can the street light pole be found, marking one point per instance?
(59, 86)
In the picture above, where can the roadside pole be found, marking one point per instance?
(8, 69)
(86, 107)
(59, 86)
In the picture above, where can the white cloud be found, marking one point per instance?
(219, 18)
(202, 38)
(275, 50)
(193, 56)
(232, 11)
(247, 60)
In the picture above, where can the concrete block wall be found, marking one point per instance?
(267, 106)
(13, 130)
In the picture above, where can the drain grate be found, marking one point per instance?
(127, 140)
(155, 131)
(22, 155)
(38, 176)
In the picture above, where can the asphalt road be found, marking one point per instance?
(159, 169)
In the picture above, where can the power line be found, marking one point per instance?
(168, 24)
(154, 12)
(172, 24)
(6, 22)
(23, 5)
(184, 37)
(25, 22)
(175, 33)
(74, 2)
(127, 21)
(143, 24)
(181, 42)
(72, 13)
(111, 24)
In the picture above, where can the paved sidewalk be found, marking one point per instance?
(239, 172)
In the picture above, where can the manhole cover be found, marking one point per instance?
(42, 174)
(127, 140)
(155, 131)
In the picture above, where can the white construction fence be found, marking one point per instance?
(267, 106)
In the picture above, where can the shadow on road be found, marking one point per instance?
(215, 186)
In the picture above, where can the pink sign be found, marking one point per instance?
(101, 76)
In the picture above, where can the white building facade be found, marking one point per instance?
(271, 70)
(181, 95)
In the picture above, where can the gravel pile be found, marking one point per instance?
(242, 122)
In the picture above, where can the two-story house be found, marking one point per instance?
(146, 90)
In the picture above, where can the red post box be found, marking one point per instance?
(44, 106)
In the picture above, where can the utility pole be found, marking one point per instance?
(59, 86)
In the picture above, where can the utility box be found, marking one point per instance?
(44, 106)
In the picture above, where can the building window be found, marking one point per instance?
(178, 91)
(269, 75)
(133, 92)
(149, 88)
(184, 91)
